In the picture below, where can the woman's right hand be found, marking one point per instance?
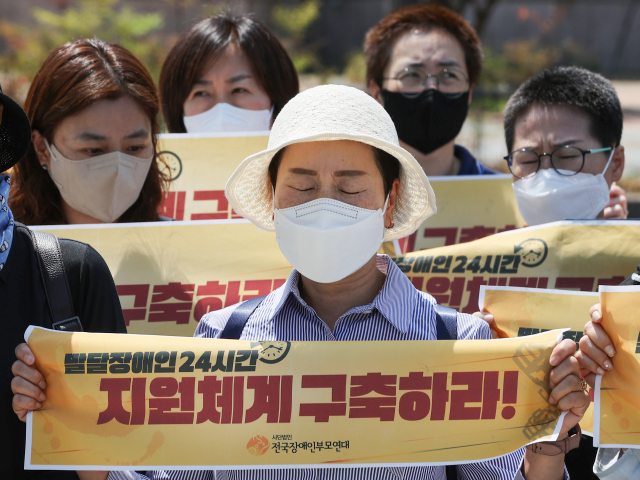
(596, 348)
(28, 384)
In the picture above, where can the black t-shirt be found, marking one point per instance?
(23, 303)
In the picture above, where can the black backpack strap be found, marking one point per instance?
(446, 323)
(239, 317)
(54, 278)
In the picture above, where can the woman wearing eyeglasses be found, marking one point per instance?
(423, 62)
(563, 129)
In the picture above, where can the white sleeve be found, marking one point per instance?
(610, 465)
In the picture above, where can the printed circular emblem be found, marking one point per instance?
(172, 164)
(273, 352)
(532, 252)
(258, 445)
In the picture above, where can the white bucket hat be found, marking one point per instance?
(324, 113)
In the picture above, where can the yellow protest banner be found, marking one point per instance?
(575, 255)
(121, 401)
(169, 274)
(518, 312)
(201, 165)
(617, 411)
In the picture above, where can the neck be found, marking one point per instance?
(439, 162)
(74, 217)
(332, 300)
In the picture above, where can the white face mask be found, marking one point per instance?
(104, 186)
(224, 117)
(548, 196)
(327, 240)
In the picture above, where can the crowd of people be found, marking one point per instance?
(355, 164)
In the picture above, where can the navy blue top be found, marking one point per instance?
(468, 164)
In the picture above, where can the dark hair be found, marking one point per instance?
(577, 87)
(382, 36)
(73, 77)
(203, 43)
(388, 165)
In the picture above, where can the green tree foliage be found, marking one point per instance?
(29, 46)
(293, 22)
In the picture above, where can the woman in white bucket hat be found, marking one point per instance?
(342, 184)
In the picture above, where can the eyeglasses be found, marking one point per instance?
(567, 160)
(449, 81)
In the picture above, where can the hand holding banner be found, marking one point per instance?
(117, 401)
(617, 407)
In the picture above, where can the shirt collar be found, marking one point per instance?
(396, 300)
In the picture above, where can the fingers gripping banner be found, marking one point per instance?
(617, 411)
(121, 401)
(518, 312)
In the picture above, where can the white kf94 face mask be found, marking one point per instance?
(548, 196)
(224, 117)
(327, 240)
(104, 186)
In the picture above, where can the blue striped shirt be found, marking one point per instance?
(399, 312)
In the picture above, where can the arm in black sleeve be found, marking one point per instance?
(95, 299)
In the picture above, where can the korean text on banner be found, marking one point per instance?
(617, 411)
(518, 312)
(122, 401)
(201, 165)
(169, 274)
(580, 255)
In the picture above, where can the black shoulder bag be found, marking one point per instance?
(54, 279)
(446, 328)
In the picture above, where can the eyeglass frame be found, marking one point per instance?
(550, 155)
(426, 78)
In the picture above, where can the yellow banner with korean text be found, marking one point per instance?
(201, 165)
(574, 255)
(519, 312)
(169, 274)
(617, 410)
(132, 401)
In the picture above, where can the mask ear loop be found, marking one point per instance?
(610, 158)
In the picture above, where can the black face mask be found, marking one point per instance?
(427, 121)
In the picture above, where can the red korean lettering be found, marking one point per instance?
(440, 395)
(222, 210)
(382, 407)
(322, 411)
(262, 287)
(499, 281)
(140, 295)
(163, 389)
(272, 397)
(507, 228)
(509, 394)
(173, 205)
(115, 409)
(584, 284)
(475, 233)
(473, 287)
(490, 395)
(178, 312)
(212, 291)
(449, 234)
(459, 398)
(610, 281)
(222, 400)
(414, 405)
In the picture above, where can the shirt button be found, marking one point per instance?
(367, 312)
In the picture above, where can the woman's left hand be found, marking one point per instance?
(617, 206)
(566, 387)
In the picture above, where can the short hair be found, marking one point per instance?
(73, 77)
(388, 165)
(203, 43)
(577, 87)
(381, 37)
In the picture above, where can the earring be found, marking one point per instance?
(45, 168)
(391, 226)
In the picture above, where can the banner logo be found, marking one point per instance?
(532, 252)
(173, 164)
